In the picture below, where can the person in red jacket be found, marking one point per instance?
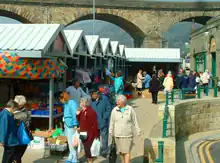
(87, 119)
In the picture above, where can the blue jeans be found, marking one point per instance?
(180, 94)
(104, 135)
(73, 155)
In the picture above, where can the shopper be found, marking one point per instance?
(76, 92)
(88, 123)
(100, 103)
(22, 115)
(123, 119)
(154, 88)
(70, 124)
(8, 134)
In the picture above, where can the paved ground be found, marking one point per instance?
(147, 115)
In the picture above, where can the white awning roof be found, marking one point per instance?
(104, 44)
(114, 47)
(153, 55)
(29, 40)
(121, 50)
(91, 41)
(73, 38)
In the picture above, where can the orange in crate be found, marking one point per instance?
(59, 110)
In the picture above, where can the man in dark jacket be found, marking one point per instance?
(183, 81)
(8, 134)
(100, 103)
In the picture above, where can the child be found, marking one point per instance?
(8, 134)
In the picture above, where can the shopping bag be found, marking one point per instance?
(113, 152)
(95, 148)
(23, 135)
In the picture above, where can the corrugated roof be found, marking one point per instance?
(104, 44)
(73, 38)
(114, 46)
(24, 38)
(91, 41)
(153, 55)
(121, 50)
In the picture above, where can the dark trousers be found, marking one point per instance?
(20, 149)
(154, 97)
(9, 155)
(104, 135)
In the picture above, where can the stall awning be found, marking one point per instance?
(104, 44)
(29, 40)
(92, 42)
(12, 66)
(114, 47)
(122, 50)
(73, 37)
(166, 55)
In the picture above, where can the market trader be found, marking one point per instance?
(76, 92)
(100, 103)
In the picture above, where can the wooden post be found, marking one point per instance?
(85, 62)
(51, 102)
(95, 63)
(78, 62)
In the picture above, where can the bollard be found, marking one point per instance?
(198, 92)
(215, 91)
(167, 98)
(160, 152)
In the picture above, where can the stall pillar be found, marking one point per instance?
(95, 64)
(51, 103)
(100, 63)
(115, 65)
(64, 76)
(85, 62)
(78, 62)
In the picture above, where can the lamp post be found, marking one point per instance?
(93, 17)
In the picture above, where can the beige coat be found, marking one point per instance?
(139, 80)
(168, 84)
(122, 124)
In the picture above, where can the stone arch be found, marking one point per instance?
(131, 28)
(20, 13)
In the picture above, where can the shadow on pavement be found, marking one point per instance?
(181, 151)
(149, 153)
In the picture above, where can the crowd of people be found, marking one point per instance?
(92, 116)
(183, 80)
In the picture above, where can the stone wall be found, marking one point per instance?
(196, 116)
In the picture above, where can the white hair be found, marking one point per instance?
(86, 101)
(123, 98)
(20, 99)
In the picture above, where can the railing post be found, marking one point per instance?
(215, 91)
(172, 96)
(198, 91)
(167, 98)
(160, 152)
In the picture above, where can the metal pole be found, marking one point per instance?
(64, 76)
(85, 62)
(51, 103)
(93, 22)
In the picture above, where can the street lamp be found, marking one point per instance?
(93, 19)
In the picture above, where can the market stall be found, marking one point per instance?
(28, 59)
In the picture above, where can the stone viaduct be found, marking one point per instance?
(145, 21)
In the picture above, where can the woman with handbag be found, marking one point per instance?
(70, 125)
(88, 126)
(22, 115)
(122, 124)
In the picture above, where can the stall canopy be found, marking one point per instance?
(92, 42)
(104, 45)
(114, 47)
(73, 37)
(153, 55)
(13, 66)
(31, 40)
(122, 50)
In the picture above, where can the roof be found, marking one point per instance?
(73, 38)
(104, 44)
(153, 55)
(91, 41)
(121, 50)
(114, 46)
(26, 38)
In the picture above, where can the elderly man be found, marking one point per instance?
(100, 103)
(76, 92)
(123, 120)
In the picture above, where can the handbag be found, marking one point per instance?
(83, 136)
(113, 152)
(23, 135)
